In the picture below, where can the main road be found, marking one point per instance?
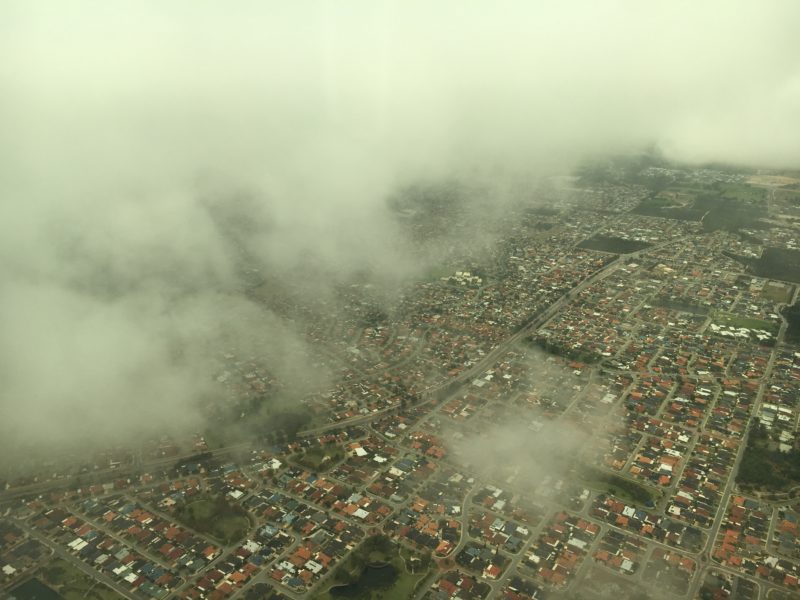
(432, 393)
(429, 395)
(731, 483)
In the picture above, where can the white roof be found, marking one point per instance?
(577, 543)
(313, 566)
(627, 565)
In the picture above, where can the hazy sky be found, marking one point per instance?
(116, 117)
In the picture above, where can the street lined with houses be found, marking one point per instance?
(586, 404)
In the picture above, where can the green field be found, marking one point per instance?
(729, 206)
(742, 191)
(216, 517)
(778, 263)
(674, 203)
(601, 584)
(319, 458)
(615, 245)
(73, 584)
(787, 195)
(262, 591)
(680, 305)
(777, 292)
(731, 320)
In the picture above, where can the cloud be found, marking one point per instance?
(117, 329)
(149, 147)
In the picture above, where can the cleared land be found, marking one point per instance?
(772, 180)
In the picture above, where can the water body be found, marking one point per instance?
(372, 578)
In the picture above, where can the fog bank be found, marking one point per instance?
(152, 151)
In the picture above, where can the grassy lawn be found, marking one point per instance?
(779, 263)
(604, 585)
(73, 584)
(404, 586)
(742, 191)
(731, 320)
(676, 202)
(729, 206)
(777, 292)
(686, 188)
(615, 245)
(787, 195)
(216, 517)
(319, 458)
